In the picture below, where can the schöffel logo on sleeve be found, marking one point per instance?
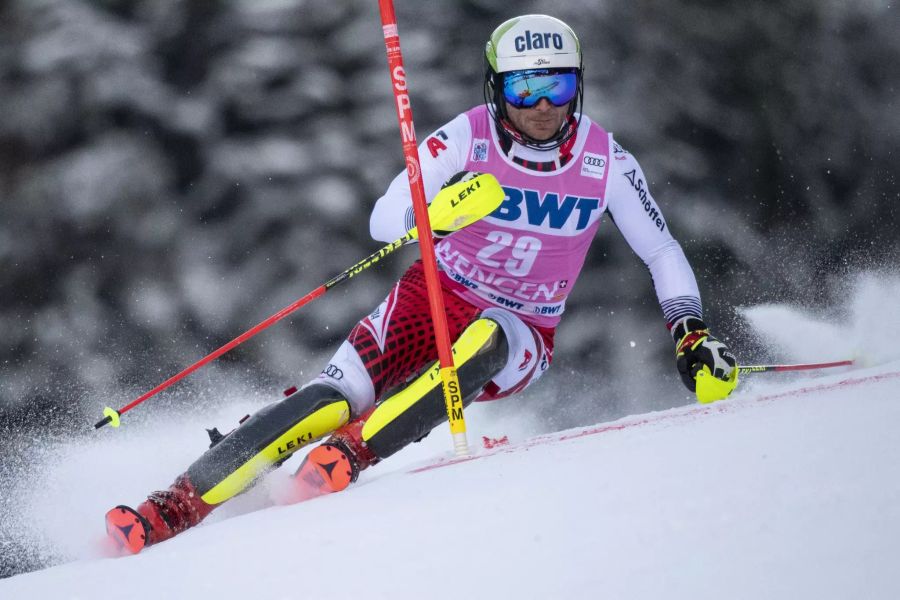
(649, 207)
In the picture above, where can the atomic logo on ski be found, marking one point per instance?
(328, 468)
(126, 530)
(121, 525)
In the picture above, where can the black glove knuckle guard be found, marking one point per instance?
(696, 348)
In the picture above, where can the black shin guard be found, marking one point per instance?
(266, 439)
(407, 416)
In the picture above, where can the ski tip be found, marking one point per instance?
(127, 528)
(326, 469)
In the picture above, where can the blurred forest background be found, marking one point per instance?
(172, 172)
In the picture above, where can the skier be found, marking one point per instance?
(504, 279)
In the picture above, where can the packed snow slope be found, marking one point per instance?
(785, 491)
(789, 489)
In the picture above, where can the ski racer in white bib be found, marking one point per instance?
(505, 280)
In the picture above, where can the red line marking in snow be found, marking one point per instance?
(719, 407)
(824, 387)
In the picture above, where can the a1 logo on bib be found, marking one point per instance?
(593, 165)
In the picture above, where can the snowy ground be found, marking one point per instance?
(791, 489)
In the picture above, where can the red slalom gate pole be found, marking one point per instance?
(449, 378)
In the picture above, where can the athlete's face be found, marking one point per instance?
(541, 121)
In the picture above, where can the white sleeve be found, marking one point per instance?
(442, 155)
(638, 217)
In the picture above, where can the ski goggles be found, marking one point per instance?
(524, 89)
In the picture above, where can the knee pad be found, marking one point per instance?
(267, 439)
(528, 355)
(407, 416)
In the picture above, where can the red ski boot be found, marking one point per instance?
(163, 515)
(333, 465)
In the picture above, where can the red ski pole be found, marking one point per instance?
(452, 396)
(747, 369)
(112, 416)
(449, 212)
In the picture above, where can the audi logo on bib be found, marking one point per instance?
(594, 161)
(593, 165)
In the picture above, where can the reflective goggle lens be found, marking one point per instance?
(524, 89)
